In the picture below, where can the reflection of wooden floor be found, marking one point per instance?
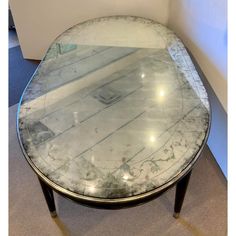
(203, 213)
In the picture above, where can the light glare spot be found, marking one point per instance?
(162, 93)
(91, 189)
(125, 177)
(152, 139)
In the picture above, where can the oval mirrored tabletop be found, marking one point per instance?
(115, 110)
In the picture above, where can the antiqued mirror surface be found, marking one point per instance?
(118, 116)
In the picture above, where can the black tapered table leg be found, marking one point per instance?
(181, 188)
(48, 194)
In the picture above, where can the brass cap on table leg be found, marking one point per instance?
(176, 215)
(53, 214)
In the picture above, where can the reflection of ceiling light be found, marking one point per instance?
(152, 139)
(91, 189)
(125, 177)
(142, 75)
(76, 120)
(162, 93)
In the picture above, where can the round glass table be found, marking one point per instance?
(114, 115)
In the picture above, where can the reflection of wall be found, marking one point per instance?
(38, 23)
(202, 25)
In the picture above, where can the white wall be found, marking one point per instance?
(38, 23)
(202, 25)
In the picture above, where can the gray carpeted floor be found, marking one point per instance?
(204, 210)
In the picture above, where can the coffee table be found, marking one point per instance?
(114, 115)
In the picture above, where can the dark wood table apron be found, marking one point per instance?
(114, 115)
